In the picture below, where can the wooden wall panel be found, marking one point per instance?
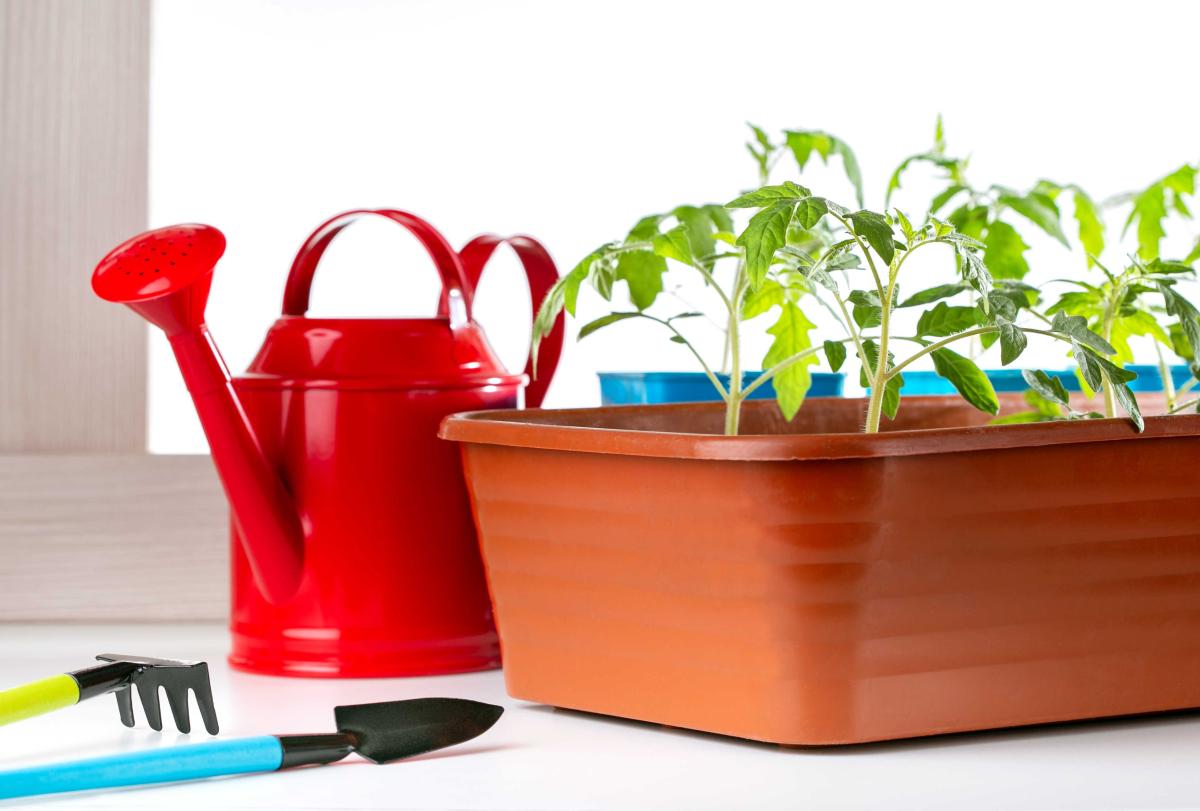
(74, 119)
(112, 537)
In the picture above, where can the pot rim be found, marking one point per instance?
(551, 429)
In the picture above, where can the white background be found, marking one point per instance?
(569, 120)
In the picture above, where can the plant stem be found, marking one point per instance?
(712, 378)
(791, 360)
(1114, 299)
(1168, 382)
(1184, 406)
(862, 246)
(966, 334)
(880, 378)
(733, 405)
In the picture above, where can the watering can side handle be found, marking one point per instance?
(541, 275)
(454, 279)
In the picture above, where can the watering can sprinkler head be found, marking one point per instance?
(164, 275)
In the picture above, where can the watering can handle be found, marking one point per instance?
(456, 299)
(541, 275)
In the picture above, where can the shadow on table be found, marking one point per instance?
(1061, 729)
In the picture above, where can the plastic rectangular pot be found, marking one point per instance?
(806, 584)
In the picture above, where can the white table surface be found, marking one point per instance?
(540, 758)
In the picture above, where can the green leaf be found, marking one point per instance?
(1194, 254)
(867, 312)
(1075, 327)
(850, 166)
(1049, 387)
(974, 271)
(967, 378)
(604, 321)
(933, 294)
(1095, 368)
(1091, 227)
(769, 294)
(944, 320)
(791, 338)
(765, 234)
(1012, 342)
(809, 211)
(1039, 209)
(698, 226)
(1184, 310)
(674, 245)
(768, 195)
(1138, 322)
(874, 228)
(645, 228)
(835, 353)
(945, 196)
(1004, 251)
(643, 272)
(721, 220)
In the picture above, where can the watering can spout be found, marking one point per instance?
(164, 275)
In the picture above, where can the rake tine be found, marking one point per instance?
(125, 705)
(177, 697)
(148, 693)
(208, 710)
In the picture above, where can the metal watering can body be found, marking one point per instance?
(354, 550)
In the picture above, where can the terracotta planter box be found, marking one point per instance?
(806, 584)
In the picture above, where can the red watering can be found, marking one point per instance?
(354, 552)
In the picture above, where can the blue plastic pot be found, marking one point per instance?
(1150, 379)
(1003, 380)
(1010, 380)
(637, 388)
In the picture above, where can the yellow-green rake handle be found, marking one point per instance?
(37, 697)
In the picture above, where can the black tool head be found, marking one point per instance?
(391, 730)
(176, 677)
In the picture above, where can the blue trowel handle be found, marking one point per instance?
(238, 756)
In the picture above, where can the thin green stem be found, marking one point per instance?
(880, 379)
(862, 246)
(958, 336)
(733, 405)
(791, 360)
(712, 378)
(1165, 373)
(1185, 406)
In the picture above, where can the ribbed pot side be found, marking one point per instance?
(840, 600)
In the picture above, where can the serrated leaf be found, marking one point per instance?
(1012, 342)
(698, 226)
(769, 294)
(604, 321)
(764, 235)
(944, 320)
(967, 378)
(791, 333)
(1037, 208)
(1091, 227)
(642, 271)
(809, 211)
(974, 271)
(945, 196)
(674, 245)
(874, 228)
(835, 354)
(933, 294)
(769, 195)
(719, 217)
(1049, 387)
(645, 228)
(868, 311)
(1004, 251)
(1138, 322)
(1075, 327)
